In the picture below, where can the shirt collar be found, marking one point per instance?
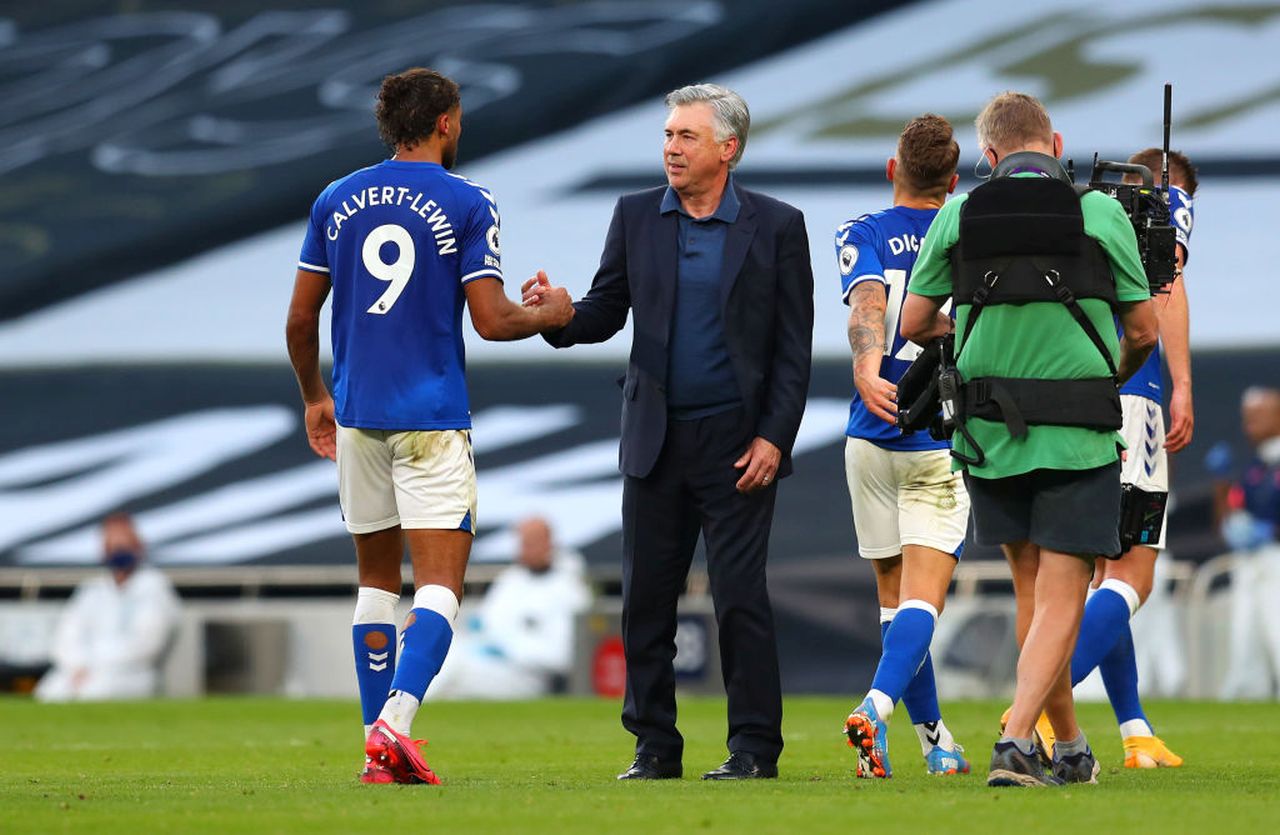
(726, 212)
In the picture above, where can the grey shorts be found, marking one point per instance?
(1069, 511)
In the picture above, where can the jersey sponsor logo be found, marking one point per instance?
(848, 257)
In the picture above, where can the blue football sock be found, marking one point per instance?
(921, 696)
(423, 646)
(375, 647)
(1105, 615)
(373, 637)
(1120, 674)
(906, 643)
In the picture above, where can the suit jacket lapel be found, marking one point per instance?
(736, 244)
(667, 257)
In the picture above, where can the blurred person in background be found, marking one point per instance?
(405, 246)
(1250, 525)
(112, 638)
(1123, 585)
(520, 643)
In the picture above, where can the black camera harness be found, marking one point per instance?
(1022, 240)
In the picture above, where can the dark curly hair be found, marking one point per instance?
(409, 104)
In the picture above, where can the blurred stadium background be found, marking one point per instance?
(157, 160)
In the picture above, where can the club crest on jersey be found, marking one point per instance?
(848, 257)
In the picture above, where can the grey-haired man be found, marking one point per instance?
(718, 282)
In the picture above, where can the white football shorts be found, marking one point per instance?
(414, 479)
(1146, 464)
(904, 498)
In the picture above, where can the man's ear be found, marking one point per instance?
(1057, 145)
(730, 148)
(890, 167)
(444, 124)
(990, 154)
(955, 179)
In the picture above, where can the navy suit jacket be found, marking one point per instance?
(766, 301)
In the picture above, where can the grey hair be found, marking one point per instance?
(732, 118)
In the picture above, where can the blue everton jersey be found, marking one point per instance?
(1147, 382)
(398, 241)
(882, 247)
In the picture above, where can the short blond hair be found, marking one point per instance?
(1012, 121)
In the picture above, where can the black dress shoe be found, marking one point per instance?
(743, 766)
(649, 767)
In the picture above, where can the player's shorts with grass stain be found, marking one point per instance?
(904, 498)
(414, 479)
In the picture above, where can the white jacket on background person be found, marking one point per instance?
(111, 639)
(521, 637)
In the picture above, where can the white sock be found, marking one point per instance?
(375, 606)
(438, 599)
(883, 704)
(886, 614)
(1135, 727)
(367, 728)
(934, 733)
(399, 711)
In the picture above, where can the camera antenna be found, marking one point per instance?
(1164, 151)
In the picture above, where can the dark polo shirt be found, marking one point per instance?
(700, 379)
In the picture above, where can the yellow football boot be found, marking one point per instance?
(1149, 752)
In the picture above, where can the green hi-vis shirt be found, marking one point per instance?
(1038, 340)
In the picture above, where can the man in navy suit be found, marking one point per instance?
(719, 284)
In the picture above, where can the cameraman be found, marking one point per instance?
(1039, 412)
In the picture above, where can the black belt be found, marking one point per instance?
(1090, 403)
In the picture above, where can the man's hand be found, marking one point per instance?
(555, 303)
(535, 288)
(1182, 421)
(879, 396)
(761, 462)
(322, 429)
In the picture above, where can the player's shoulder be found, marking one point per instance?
(467, 189)
(866, 228)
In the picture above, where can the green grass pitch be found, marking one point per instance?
(267, 765)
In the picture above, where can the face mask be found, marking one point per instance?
(122, 560)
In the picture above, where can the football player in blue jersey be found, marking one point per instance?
(1122, 585)
(910, 511)
(404, 246)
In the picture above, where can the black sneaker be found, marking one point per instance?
(1011, 767)
(1077, 768)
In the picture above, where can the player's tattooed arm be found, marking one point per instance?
(866, 322)
(867, 302)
